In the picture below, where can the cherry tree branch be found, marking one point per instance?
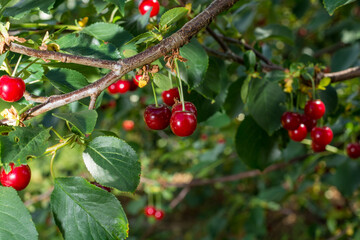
(123, 66)
(230, 178)
(63, 57)
(343, 75)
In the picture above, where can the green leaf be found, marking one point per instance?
(346, 177)
(16, 223)
(218, 120)
(332, 5)
(253, 145)
(250, 60)
(162, 81)
(345, 57)
(266, 104)
(274, 31)
(23, 7)
(172, 16)
(143, 37)
(112, 162)
(120, 4)
(196, 65)
(66, 80)
(108, 32)
(324, 83)
(330, 99)
(2, 57)
(83, 44)
(84, 121)
(83, 211)
(23, 143)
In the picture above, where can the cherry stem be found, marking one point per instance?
(158, 201)
(16, 66)
(313, 85)
(180, 85)
(153, 88)
(297, 102)
(52, 165)
(291, 101)
(22, 70)
(171, 85)
(25, 109)
(151, 199)
(328, 147)
(57, 134)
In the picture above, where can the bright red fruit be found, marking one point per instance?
(353, 150)
(308, 122)
(189, 106)
(146, 5)
(314, 109)
(128, 125)
(11, 89)
(137, 79)
(113, 88)
(159, 214)
(290, 120)
(317, 148)
(183, 124)
(149, 211)
(170, 95)
(122, 86)
(18, 178)
(157, 118)
(322, 136)
(298, 134)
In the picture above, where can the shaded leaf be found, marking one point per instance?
(253, 145)
(16, 223)
(23, 143)
(172, 16)
(162, 81)
(84, 121)
(332, 5)
(197, 64)
(274, 31)
(66, 80)
(108, 32)
(83, 211)
(112, 162)
(23, 7)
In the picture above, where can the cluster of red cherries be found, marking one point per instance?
(122, 86)
(182, 122)
(146, 5)
(298, 125)
(151, 211)
(12, 89)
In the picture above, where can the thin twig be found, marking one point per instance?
(93, 101)
(179, 197)
(217, 39)
(38, 99)
(343, 75)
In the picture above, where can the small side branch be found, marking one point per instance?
(38, 99)
(93, 99)
(343, 75)
(63, 57)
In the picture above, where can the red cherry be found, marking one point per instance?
(322, 136)
(170, 95)
(18, 178)
(189, 106)
(290, 120)
(137, 79)
(149, 211)
(146, 5)
(128, 125)
(317, 147)
(298, 134)
(314, 109)
(11, 89)
(157, 118)
(353, 150)
(310, 123)
(133, 85)
(101, 186)
(159, 214)
(113, 88)
(183, 124)
(122, 86)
